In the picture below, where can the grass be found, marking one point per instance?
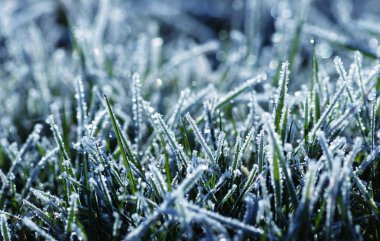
(121, 126)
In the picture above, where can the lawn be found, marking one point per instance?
(189, 120)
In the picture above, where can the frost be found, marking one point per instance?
(227, 131)
(200, 137)
(219, 145)
(57, 136)
(228, 221)
(177, 109)
(33, 226)
(326, 150)
(372, 98)
(4, 228)
(158, 180)
(340, 68)
(136, 107)
(179, 192)
(87, 145)
(81, 106)
(171, 139)
(238, 90)
(116, 225)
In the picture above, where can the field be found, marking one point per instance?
(189, 120)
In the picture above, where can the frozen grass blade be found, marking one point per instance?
(200, 138)
(181, 190)
(219, 145)
(261, 152)
(247, 186)
(307, 119)
(228, 195)
(329, 109)
(81, 107)
(136, 107)
(227, 221)
(159, 181)
(299, 226)
(72, 210)
(326, 150)
(34, 227)
(178, 150)
(120, 143)
(275, 173)
(281, 96)
(4, 228)
(278, 156)
(234, 167)
(366, 195)
(324, 116)
(372, 98)
(58, 137)
(41, 164)
(167, 164)
(239, 90)
(343, 75)
(315, 86)
(43, 215)
(177, 110)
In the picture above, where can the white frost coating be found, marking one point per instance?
(340, 68)
(365, 163)
(41, 164)
(246, 85)
(365, 193)
(200, 138)
(352, 155)
(306, 203)
(275, 173)
(159, 180)
(116, 225)
(230, 192)
(372, 98)
(280, 158)
(87, 145)
(219, 145)
(31, 140)
(235, 157)
(177, 148)
(81, 106)
(185, 56)
(283, 84)
(4, 228)
(33, 226)
(71, 210)
(48, 198)
(178, 107)
(136, 107)
(57, 136)
(325, 114)
(92, 128)
(336, 124)
(250, 180)
(178, 193)
(247, 143)
(326, 150)
(226, 220)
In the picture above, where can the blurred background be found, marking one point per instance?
(173, 45)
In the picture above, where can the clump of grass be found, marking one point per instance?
(112, 128)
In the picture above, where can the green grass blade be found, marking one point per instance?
(121, 146)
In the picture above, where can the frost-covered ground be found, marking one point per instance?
(189, 120)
